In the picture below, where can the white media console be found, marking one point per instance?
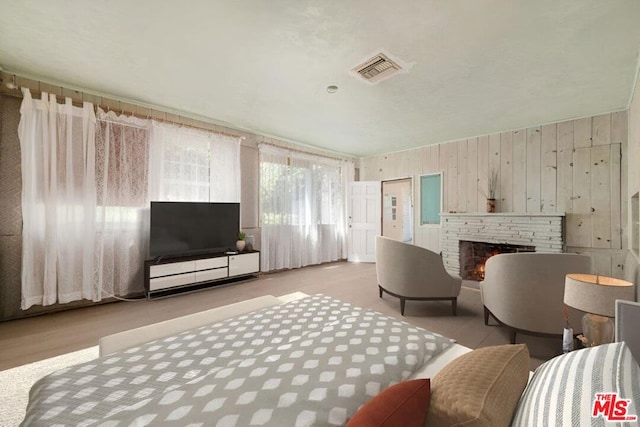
(184, 274)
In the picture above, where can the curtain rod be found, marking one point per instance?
(303, 152)
(18, 94)
(131, 125)
(181, 124)
(77, 103)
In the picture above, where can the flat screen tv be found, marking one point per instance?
(191, 228)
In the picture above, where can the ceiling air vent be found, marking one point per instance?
(377, 68)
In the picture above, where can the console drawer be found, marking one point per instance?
(205, 264)
(218, 273)
(171, 281)
(173, 268)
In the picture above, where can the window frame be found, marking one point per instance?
(440, 176)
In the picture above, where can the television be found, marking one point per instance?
(191, 228)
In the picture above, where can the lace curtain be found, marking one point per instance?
(302, 205)
(57, 143)
(193, 165)
(122, 204)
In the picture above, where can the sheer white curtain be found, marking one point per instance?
(57, 143)
(122, 229)
(86, 193)
(195, 165)
(302, 205)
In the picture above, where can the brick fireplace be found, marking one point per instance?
(473, 255)
(542, 231)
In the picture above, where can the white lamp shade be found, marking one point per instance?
(596, 294)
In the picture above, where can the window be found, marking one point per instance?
(302, 208)
(122, 172)
(300, 192)
(186, 170)
(430, 198)
(193, 165)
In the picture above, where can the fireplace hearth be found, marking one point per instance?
(473, 256)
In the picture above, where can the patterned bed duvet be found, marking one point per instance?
(313, 361)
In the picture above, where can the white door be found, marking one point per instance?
(397, 210)
(365, 215)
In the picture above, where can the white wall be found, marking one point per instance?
(633, 156)
(633, 173)
(573, 166)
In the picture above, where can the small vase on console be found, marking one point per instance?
(240, 244)
(250, 242)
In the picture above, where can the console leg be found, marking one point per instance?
(486, 316)
(454, 306)
(512, 336)
(380, 289)
(402, 301)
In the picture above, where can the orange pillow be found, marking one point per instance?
(403, 404)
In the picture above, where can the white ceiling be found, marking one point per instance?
(473, 67)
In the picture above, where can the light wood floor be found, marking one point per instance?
(28, 340)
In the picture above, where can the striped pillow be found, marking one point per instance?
(562, 391)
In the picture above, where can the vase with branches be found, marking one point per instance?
(492, 187)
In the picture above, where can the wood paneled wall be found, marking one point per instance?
(574, 167)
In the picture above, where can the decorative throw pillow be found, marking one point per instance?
(480, 388)
(563, 390)
(403, 404)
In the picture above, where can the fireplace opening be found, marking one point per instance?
(473, 255)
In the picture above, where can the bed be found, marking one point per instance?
(301, 360)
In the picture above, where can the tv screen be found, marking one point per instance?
(189, 228)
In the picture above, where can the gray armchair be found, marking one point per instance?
(410, 272)
(525, 291)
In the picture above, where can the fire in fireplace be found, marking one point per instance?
(473, 256)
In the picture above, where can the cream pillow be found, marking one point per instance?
(480, 388)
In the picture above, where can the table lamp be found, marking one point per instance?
(596, 295)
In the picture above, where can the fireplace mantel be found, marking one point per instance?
(544, 231)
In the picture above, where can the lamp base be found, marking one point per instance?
(597, 329)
